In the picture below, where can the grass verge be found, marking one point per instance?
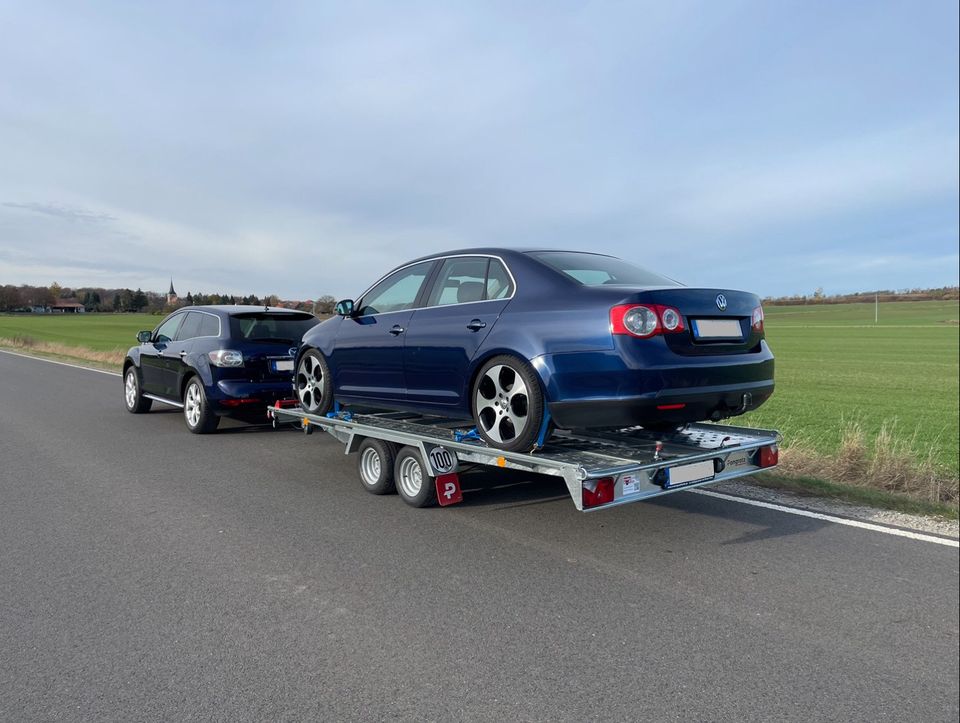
(109, 360)
(866, 496)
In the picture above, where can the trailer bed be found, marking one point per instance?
(600, 469)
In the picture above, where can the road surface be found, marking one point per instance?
(150, 574)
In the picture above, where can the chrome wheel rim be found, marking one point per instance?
(191, 405)
(310, 383)
(370, 466)
(410, 477)
(502, 403)
(130, 389)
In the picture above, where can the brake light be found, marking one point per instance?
(598, 492)
(645, 320)
(756, 321)
(769, 456)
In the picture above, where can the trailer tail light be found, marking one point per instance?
(756, 320)
(769, 456)
(645, 320)
(598, 492)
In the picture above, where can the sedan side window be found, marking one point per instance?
(167, 331)
(397, 292)
(460, 281)
(499, 283)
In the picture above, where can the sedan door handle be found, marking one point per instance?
(183, 354)
(476, 325)
(396, 330)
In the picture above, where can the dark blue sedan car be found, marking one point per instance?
(521, 341)
(213, 361)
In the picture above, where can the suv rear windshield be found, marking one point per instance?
(267, 327)
(595, 270)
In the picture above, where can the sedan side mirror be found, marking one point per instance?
(144, 336)
(345, 307)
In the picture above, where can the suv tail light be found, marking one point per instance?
(756, 320)
(226, 358)
(645, 320)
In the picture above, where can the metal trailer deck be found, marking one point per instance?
(600, 469)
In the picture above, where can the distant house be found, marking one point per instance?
(67, 306)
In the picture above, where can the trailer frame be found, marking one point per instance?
(601, 469)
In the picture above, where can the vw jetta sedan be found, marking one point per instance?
(213, 361)
(520, 341)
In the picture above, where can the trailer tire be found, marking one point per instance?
(414, 483)
(375, 461)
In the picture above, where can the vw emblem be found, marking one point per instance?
(721, 302)
(292, 351)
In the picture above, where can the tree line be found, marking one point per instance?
(98, 299)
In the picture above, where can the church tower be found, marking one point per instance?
(172, 295)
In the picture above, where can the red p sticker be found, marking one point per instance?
(448, 489)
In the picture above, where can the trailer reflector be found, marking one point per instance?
(598, 492)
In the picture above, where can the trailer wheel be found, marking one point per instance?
(414, 483)
(375, 460)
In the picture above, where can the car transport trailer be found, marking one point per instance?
(420, 456)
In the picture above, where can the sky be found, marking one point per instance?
(304, 149)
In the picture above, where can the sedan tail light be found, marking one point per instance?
(226, 358)
(756, 320)
(645, 320)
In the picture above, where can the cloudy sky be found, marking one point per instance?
(304, 148)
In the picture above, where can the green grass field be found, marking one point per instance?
(834, 366)
(99, 332)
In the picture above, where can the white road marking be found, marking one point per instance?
(719, 495)
(63, 364)
(830, 518)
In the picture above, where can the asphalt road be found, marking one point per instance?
(150, 574)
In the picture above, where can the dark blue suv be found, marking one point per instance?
(213, 361)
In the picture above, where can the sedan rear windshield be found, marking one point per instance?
(265, 326)
(596, 270)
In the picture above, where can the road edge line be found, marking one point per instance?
(63, 364)
(830, 518)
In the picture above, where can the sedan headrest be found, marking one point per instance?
(469, 291)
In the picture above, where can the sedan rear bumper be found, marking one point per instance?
(678, 406)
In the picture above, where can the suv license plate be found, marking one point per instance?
(689, 473)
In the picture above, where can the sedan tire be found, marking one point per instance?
(313, 384)
(508, 404)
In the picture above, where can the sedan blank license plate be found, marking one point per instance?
(285, 365)
(717, 329)
(690, 473)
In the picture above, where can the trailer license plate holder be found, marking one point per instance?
(688, 474)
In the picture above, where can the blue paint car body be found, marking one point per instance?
(425, 358)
